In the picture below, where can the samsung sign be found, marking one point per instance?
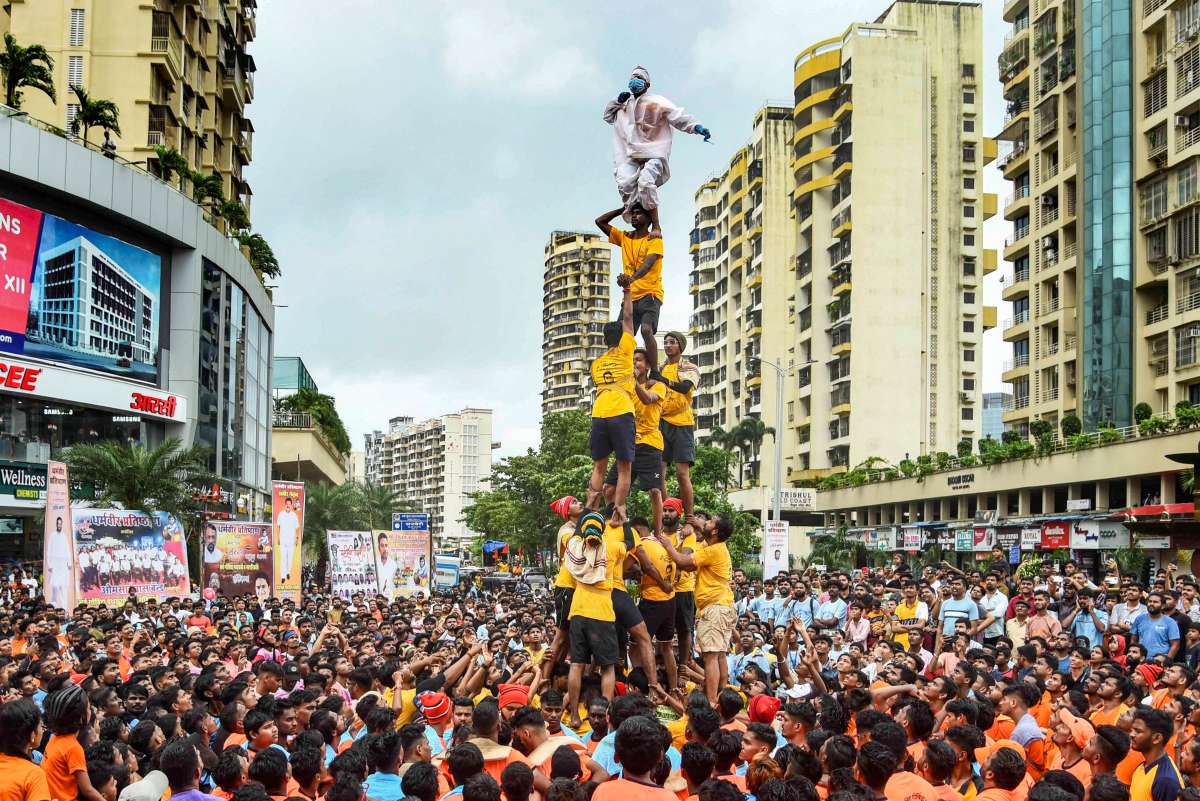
(49, 382)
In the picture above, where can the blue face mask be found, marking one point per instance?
(636, 85)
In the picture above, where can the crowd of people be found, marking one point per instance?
(891, 683)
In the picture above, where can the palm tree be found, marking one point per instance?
(150, 480)
(728, 442)
(234, 214)
(102, 114)
(750, 433)
(23, 67)
(329, 506)
(378, 504)
(207, 186)
(171, 163)
(261, 257)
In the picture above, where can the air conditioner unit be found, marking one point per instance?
(965, 397)
(1182, 121)
(1049, 201)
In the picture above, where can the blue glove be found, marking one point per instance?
(621, 98)
(707, 134)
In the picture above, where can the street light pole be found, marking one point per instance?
(780, 374)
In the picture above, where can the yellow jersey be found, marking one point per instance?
(617, 534)
(685, 580)
(677, 408)
(714, 576)
(647, 415)
(612, 373)
(594, 601)
(657, 555)
(564, 577)
(634, 250)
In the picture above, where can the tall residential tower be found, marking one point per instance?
(574, 310)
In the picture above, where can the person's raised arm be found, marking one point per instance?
(687, 561)
(646, 396)
(459, 666)
(627, 311)
(602, 222)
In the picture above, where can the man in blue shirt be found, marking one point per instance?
(957, 607)
(832, 614)
(1154, 631)
(1087, 620)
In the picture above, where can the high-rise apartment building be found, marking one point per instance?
(889, 207)
(1044, 135)
(574, 310)
(995, 404)
(179, 73)
(741, 281)
(435, 464)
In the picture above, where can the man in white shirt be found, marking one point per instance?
(992, 608)
(58, 566)
(288, 526)
(1123, 615)
(385, 568)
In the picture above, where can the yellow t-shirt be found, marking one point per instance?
(665, 567)
(634, 250)
(646, 417)
(714, 576)
(905, 614)
(685, 580)
(612, 373)
(594, 601)
(677, 408)
(617, 534)
(564, 578)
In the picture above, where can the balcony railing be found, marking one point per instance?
(1020, 360)
(1017, 235)
(1150, 6)
(1021, 194)
(1187, 303)
(1016, 319)
(1186, 137)
(1016, 277)
(1157, 314)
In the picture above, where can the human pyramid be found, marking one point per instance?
(642, 421)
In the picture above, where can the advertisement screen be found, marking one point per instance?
(118, 551)
(237, 558)
(352, 563)
(73, 295)
(287, 505)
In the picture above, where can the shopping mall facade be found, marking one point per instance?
(124, 315)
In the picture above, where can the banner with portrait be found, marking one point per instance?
(402, 560)
(58, 551)
(352, 563)
(287, 518)
(237, 558)
(119, 551)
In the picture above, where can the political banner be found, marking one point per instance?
(352, 563)
(774, 548)
(287, 510)
(119, 551)
(238, 558)
(402, 558)
(58, 552)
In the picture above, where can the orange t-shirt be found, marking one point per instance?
(1103, 718)
(908, 786)
(734, 725)
(734, 779)
(917, 750)
(1041, 712)
(1001, 728)
(945, 792)
(1160, 698)
(23, 780)
(1126, 767)
(63, 759)
(626, 790)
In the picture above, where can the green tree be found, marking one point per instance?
(94, 113)
(1070, 426)
(261, 257)
(727, 441)
(25, 67)
(379, 502)
(330, 506)
(324, 414)
(234, 213)
(207, 187)
(751, 431)
(1141, 412)
(171, 163)
(159, 479)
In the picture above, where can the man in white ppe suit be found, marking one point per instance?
(642, 124)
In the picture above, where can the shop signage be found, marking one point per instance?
(798, 500)
(964, 539)
(1152, 543)
(1079, 505)
(27, 481)
(1056, 534)
(945, 537)
(887, 538)
(1112, 535)
(1084, 538)
(1007, 537)
(1031, 538)
(984, 538)
(912, 539)
(57, 383)
(960, 481)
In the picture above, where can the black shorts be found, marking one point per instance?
(593, 641)
(647, 469)
(685, 612)
(660, 618)
(562, 606)
(645, 312)
(628, 615)
(679, 443)
(613, 435)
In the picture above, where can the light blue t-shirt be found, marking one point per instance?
(1084, 626)
(384, 787)
(1155, 635)
(833, 609)
(606, 755)
(954, 610)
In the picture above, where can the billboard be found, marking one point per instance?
(59, 545)
(774, 548)
(287, 507)
(237, 558)
(402, 556)
(352, 563)
(73, 295)
(119, 550)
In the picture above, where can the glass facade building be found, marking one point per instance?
(289, 375)
(1107, 324)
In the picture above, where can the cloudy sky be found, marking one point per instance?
(411, 158)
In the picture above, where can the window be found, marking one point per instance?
(968, 266)
(76, 36)
(968, 413)
(72, 111)
(968, 354)
(968, 385)
(1185, 181)
(969, 298)
(969, 210)
(969, 240)
(1154, 200)
(968, 70)
(968, 182)
(969, 153)
(75, 71)
(968, 125)
(968, 326)
(968, 97)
